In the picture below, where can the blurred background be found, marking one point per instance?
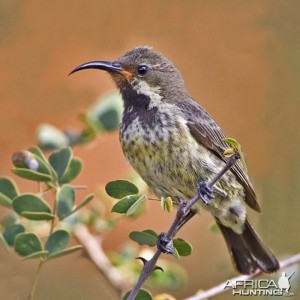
(240, 60)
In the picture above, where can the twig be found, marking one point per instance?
(36, 279)
(183, 210)
(97, 255)
(218, 289)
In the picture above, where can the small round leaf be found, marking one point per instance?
(8, 188)
(41, 157)
(142, 295)
(5, 201)
(29, 203)
(64, 252)
(37, 254)
(31, 175)
(50, 137)
(60, 161)
(11, 232)
(84, 202)
(72, 171)
(150, 231)
(183, 247)
(134, 207)
(123, 205)
(107, 111)
(27, 244)
(29, 160)
(143, 238)
(37, 216)
(65, 201)
(57, 241)
(119, 189)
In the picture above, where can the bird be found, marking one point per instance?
(176, 147)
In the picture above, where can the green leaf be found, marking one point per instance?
(166, 204)
(31, 175)
(65, 201)
(72, 171)
(28, 160)
(60, 161)
(40, 155)
(123, 205)
(11, 232)
(50, 137)
(27, 244)
(106, 113)
(8, 188)
(133, 208)
(57, 241)
(152, 232)
(142, 295)
(237, 148)
(183, 247)
(27, 204)
(5, 201)
(88, 134)
(65, 252)
(119, 189)
(38, 152)
(175, 254)
(233, 143)
(143, 238)
(85, 201)
(37, 216)
(38, 254)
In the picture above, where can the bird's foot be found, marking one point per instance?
(165, 244)
(205, 192)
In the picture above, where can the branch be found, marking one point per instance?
(219, 289)
(180, 220)
(92, 245)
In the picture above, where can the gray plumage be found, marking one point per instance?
(174, 144)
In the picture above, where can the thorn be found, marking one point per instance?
(144, 260)
(158, 268)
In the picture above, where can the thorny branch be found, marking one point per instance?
(183, 211)
(91, 245)
(99, 258)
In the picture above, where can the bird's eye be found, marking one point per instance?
(142, 70)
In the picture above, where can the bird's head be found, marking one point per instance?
(142, 73)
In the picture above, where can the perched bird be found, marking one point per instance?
(175, 145)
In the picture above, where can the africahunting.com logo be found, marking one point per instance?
(261, 287)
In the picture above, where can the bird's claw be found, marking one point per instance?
(205, 192)
(165, 244)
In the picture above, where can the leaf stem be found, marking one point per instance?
(43, 260)
(36, 279)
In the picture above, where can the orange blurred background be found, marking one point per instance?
(240, 60)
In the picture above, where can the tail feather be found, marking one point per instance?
(248, 251)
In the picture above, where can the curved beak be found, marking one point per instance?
(101, 65)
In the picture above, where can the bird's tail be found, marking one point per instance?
(248, 251)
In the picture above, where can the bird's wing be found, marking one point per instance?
(206, 132)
